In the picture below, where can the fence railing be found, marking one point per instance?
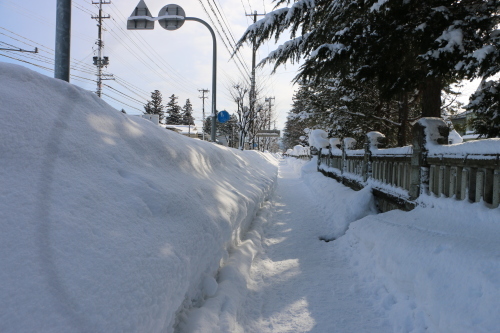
(465, 171)
(302, 157)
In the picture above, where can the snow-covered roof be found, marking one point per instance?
(183, 129)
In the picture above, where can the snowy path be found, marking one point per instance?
(298, 283)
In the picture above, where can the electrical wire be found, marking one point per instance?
(220, 35)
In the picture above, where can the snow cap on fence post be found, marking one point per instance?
(318, 138)
(335, 143)
(376, 139)
(435, 131)
(349, 143)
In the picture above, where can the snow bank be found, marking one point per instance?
(434, 269)
(339, 202)
(110, 223)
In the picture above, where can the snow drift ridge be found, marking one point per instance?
(108, 222)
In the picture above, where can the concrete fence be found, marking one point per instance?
(398, 176)
(300, 152)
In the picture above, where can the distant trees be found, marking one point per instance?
(174, 111)
(154, 106)
(187, 113)
(176, 115)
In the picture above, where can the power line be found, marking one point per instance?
(130, 106)
(221, 37)
(153, 55)
(153, 50)
(224, 31)
(124, 95)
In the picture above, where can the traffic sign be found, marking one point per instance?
(141, 18)
(268, 133)
(223, 116)
(176, 17)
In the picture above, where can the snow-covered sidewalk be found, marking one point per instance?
(283, 278)
(434, 269)
(299, 284)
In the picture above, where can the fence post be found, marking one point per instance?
(367, 160)
(426, 131)
(347, 143)
(320, 156)
(343, 159)
(374, 140)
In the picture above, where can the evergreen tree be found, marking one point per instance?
(174, 111)
(154, 106)
(485, 103)
(207, 127)
(229, 130)
(187, 113)
(401, 46)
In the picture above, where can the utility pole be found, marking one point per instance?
(63, 40)
(268, 120)
(203, 91)
(99, 60)
(252, 94)
(269, 100)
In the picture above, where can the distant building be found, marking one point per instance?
(187, 130)
(152, 117)
(462, 123)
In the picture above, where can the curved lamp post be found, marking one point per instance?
(172, 17)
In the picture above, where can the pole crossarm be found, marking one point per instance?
(20, 50)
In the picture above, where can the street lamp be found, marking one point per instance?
(172, 17)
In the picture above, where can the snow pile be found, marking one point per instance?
(454, 137)
(299, 150)
(433, 269)
(110, 223)
(339, 203)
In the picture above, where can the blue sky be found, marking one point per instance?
(174, 62)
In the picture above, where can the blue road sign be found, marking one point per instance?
(223, 116)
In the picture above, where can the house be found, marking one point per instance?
(462, 123)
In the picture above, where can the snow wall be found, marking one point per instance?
(109, 223)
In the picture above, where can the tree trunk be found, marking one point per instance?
(431, 97)
(403, 119)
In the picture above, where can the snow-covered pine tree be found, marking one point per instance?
(403, 46)
(229, 130)
(174, 112)
(485, 103)
(187, 113)
(154, 106)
